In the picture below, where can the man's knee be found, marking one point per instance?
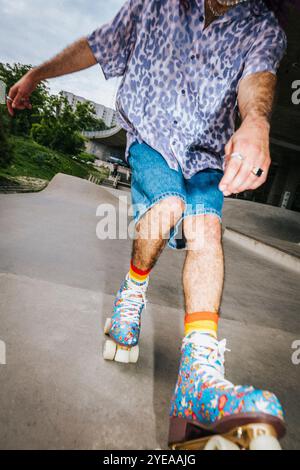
(162, 217)
(202, 232)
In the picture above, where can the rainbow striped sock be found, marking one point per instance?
(206, 322)
(137, 275)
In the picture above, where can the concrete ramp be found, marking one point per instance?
(57, 285)
(66, 186)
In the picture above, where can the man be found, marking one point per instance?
(188, 66)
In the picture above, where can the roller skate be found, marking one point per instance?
(123, 328)
(210, 413)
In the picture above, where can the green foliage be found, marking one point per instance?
(58, 136)
(46, 140)
(34, 160)
(60, 125)
(52, 122)
(86, 157)
(23, 120)
(87, 119)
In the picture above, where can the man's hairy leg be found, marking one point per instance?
(152, 231)
(203, 272)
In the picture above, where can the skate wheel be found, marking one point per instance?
(107, 326)
(134, 354)
(109, 350)
(264, 443)
(219, 443)
(122, 355)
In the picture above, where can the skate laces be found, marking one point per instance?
(132, 299)
(208, 355)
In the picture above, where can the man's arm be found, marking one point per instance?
(255, 99)
(77, 56)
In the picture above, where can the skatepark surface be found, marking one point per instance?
(57, 285)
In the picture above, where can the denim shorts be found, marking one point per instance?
(153, 180)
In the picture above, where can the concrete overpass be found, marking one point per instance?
(114, 137)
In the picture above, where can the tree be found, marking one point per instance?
(87, 118)
(22, 122)
(59, 127)
(52, 121)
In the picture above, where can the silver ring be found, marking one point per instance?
(237, 155)
(9, 98)
(258, 171)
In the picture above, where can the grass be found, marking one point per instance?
(35, 161)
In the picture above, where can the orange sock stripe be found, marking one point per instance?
(201, 316)
(207, 322)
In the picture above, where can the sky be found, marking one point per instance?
(32, 31)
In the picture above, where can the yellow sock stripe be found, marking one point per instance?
(200, 325)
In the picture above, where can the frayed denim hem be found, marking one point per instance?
(172, 242)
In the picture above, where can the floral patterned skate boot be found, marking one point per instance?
(209, 412)
(124, 326)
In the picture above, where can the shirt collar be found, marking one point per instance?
(238, 12)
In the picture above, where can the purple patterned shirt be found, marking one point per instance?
(179, 88)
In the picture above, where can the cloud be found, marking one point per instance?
(32, 31)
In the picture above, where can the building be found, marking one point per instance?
(108, 115)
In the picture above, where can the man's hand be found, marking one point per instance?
(251, 141)
(19, 94)
(77, 56)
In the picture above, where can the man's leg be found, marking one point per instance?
(203, 272)
(202, 394)
(152, 233)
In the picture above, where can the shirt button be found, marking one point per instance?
(192, 57)
(201, 18)
(183, 92)
(175, 122)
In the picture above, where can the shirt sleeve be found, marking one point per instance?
(267, 50)
(113, 42)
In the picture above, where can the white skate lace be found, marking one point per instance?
(133, 298)
(208, 355)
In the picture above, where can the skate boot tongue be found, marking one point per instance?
(208, 357)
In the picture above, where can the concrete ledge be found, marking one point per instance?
(263, 249)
